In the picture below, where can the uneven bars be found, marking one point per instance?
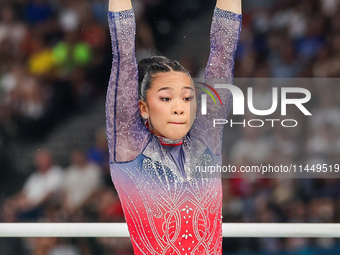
(121, 230)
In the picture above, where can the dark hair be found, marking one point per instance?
(148, 67)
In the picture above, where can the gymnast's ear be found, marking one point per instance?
(143, 109)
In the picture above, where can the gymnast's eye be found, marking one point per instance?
(187, 99)
(165, 99)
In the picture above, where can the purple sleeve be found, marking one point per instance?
(224, 36)
(127, 135)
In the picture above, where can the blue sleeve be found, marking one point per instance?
(224, 36)
(127, 135)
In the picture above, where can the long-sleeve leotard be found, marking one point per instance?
(168, 208)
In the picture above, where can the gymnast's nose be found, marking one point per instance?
(178, 109)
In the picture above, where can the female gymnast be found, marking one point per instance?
(158, 136)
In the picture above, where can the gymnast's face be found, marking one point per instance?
(171, 104)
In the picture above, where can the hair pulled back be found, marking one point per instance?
(149, 67)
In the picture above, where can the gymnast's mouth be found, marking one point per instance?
(177, 123)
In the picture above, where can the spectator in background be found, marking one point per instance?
(11, 31)
(46, 180)
(41, 60)
(38, 190)
(28, 101)
(25, 97)
(72, 51)
(313, 40)
(284, 61)
(82, 181)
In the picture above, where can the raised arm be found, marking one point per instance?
(127, 135)
(224, 37)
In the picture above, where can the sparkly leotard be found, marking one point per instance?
(169, 207)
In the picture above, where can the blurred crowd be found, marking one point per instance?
(290, 39)
(287, 39)
(55, 59)
(82, 192)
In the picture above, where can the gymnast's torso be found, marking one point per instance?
(169, 206)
